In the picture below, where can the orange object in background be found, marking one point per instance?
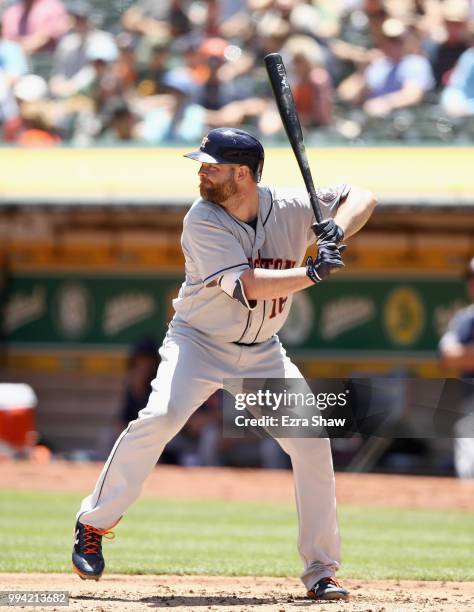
(32, 137)
(17, 416)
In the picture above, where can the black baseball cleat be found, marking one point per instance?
(328, 589)
(87, 559)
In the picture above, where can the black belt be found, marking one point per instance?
(249, 344)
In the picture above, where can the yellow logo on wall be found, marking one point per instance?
(404, 316)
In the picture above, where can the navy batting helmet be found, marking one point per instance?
(231, 146)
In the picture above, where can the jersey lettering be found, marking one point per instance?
(266, 262)
(269, 263)
(278, 305)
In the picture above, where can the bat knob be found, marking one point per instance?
(272, 59)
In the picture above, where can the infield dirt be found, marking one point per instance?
(139, 593)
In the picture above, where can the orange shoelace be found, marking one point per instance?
(93, 539)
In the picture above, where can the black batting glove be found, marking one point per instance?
(328, 260)
(328, 231)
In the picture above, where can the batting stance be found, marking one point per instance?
(244, 245)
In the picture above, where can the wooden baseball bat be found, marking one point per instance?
(286, 106)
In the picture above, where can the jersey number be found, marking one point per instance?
(278, 304)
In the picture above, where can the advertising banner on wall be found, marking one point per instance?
(369, 314)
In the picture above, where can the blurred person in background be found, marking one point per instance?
(361, 22)
(359, 44)
(36, 25)
(186, 50)
(163, 19)
(237, 22)
(230, 16)
(292, 12)
(271, 34)
(446, 44)
(153, 64)
(13, 61)
(225, 18)
(263, 33)
(13, 65)
(102, 85)
(123, 126)
(281, 7)
(72, 71)
(37, 128)
(312, 88)
(457, 99)
(224, 88)
(215, 90)
(174, 116)
(8, 105)
(457, 353)
(210, 22)
(394, 81)
(33, 123)
(195, 95)
(320, 19)
(127, 68)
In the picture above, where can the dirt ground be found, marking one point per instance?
(136, 593)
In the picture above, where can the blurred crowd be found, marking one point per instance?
(154, 72)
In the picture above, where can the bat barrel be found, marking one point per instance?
(289, 116)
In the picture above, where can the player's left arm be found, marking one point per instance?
(350, 208)
(355, 210)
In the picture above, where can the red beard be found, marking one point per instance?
(217, 193)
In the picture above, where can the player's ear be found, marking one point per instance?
(243, 172)
(239, 174)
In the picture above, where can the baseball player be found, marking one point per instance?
(457, 352)
(244, 245)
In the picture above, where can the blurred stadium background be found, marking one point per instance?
(98, 102)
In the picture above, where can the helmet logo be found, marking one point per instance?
(205, 140)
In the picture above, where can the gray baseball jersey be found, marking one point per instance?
(214, 243)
